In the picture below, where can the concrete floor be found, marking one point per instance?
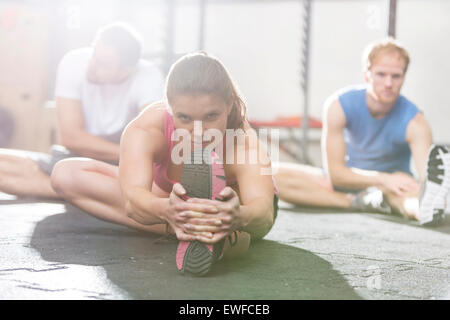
(50, 251)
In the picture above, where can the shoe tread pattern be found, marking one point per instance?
(435, 173)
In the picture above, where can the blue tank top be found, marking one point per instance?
(376, 144)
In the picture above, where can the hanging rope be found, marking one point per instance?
(304, 74)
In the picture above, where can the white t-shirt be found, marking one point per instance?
(107, 108)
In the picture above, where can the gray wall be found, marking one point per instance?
(260, 43)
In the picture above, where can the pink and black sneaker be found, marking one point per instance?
(203, 178)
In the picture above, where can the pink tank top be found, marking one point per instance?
(160, 169)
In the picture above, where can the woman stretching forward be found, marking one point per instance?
(145, 192)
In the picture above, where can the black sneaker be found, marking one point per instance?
(436, 187)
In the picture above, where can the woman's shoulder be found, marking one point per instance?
(147, 130)
(152, 116)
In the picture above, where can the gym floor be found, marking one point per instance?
(56, 251)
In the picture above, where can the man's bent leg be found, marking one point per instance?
(407, 205)
(306, 185)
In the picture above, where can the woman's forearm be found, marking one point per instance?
(141, 202)
(257, 217)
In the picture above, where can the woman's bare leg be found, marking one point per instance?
(93, 186)
(239, 248)
(306, 185)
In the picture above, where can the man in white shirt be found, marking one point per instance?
(99, 90)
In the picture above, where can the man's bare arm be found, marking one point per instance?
(353, 178)
(334, 152)
(419, 138)
(76, 138)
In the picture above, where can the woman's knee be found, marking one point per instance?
(63, 176)
(237, 246)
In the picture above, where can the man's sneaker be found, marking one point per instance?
(203, 178)
(436, 187)
(371, 200)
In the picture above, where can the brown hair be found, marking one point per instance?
(124, 40)
(384, 45)
(199, 73)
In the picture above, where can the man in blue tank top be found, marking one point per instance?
(370, 134)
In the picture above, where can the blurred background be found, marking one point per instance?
(286, 57)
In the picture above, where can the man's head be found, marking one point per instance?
(385, 63)
(117, 50)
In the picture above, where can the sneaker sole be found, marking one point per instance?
(196, 178)
(196, 258)
(433, 197)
